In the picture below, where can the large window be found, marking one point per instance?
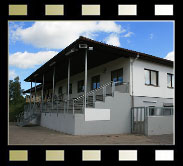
(95, 82)
(170, 80)
(117, 76)
(80, 86)
(151, 77)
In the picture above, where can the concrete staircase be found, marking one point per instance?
(28, 118)
(98, 95)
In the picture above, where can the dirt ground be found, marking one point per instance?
(37, 135)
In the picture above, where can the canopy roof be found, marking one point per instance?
(38, 88)
(101, 54)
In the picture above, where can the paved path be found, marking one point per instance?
(37, 135)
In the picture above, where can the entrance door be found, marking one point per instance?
(138, 120)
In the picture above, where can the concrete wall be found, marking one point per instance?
(140, 101)
(159, 125)
(59, 122)
(140, 89)
(120, 117)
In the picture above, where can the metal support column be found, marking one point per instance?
(30, 95)
(68, 83)
(42, 100)
(35, 93)
(85, 78)
(35, 98)
(53, 92)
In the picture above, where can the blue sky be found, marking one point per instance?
(31, 44)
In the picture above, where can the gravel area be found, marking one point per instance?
(37, 135)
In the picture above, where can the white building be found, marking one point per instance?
(125, 89)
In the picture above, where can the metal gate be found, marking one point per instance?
(138, 120)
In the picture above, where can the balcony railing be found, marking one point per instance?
(77, 105)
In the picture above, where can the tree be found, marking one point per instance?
(15, 92)
(16, 99)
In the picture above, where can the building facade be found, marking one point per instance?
(123, 90)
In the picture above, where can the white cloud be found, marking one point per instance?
(170, 56)
(29, 60)
(59, 34)
(129, 34)
(151, 36)
(113, 39)
(12, 74)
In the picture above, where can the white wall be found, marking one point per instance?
(158, 125)
(93, 114)
(139, 87)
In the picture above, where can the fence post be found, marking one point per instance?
(132, 120)
(128, 87)
(83, 104)
(57, 108)
(147, 110)
(64, 107)
(67, 106)
(94, 99)
(104, 92)
(73, 107)
(46, 107)
(113, 88)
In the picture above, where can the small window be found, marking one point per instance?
(170, 80)
(95, 82)
(151, 77)
(80, 86)
(117, 76)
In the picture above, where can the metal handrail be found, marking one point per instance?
(93, 94)
(77, 104)
(95, 90)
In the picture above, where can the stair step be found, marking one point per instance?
(109, 94)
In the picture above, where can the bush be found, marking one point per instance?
(14, 110)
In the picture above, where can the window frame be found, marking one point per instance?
(80, 88)
(171, 80)
(95, 78)
(117, 73)
(150, 81)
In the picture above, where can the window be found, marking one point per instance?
(60, 90)
(70, 89)
(117, 76)
(170, 80)
(151, 77)
(95, 82)
(80, 86)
